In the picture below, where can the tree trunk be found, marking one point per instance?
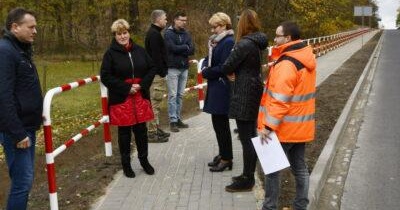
(250, 3)
(114, 12)
(68, 10)
(92, 27)
(60, 29)
(134, 15)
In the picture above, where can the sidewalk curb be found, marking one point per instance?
(322, 166)
(96, 204)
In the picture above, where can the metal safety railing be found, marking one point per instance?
(48, 133)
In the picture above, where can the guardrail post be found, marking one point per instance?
(48, 141)
(106, 125)
(48, 136)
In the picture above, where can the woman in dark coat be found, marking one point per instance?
(218, 88)
(243, 66)
(127, 71)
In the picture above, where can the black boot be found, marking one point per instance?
(222, 166)
(126, 167)
(236, 178)
(180, 124)
(124, 143)
(242, 184)
(146, 166)
(155, 138)
(162, 133)
(215, 161)
(173, 127)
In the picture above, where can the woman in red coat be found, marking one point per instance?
(127, 71)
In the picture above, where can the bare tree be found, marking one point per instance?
(134, 15)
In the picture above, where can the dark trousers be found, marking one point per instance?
(223, 133)
(124, 141)
(247, 130)
(295, 153)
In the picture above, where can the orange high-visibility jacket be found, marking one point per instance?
(288, 102)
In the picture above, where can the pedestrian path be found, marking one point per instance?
(182, 180)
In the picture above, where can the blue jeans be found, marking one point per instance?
(176, 83)
(295, 154)
(20, 164)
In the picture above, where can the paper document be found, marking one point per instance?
(271, 155)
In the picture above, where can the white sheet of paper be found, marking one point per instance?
(271, 155)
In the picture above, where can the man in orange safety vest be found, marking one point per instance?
(288, 108)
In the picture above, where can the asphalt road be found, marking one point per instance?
(373, 181)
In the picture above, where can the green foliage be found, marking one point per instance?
(398, 18)
(82, 28)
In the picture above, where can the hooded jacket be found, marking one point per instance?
(245, 62)
(21, 100)
(118, 65)
(288, 102)
(179, 47)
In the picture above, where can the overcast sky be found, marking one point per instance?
(388, 12)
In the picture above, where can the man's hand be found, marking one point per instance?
(25, 143)
(264, 136)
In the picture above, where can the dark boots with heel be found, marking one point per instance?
(124, 143)
(222, 166)
(241, 183)
(126, 166)
(215, 161)
(146, 166)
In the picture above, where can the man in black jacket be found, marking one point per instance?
(179, 48)
(155, 47)
(20, 103)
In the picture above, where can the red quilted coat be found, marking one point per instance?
(135, 109)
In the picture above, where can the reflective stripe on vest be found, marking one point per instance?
(269, 118)
(294, 98)
(275, 121)
(301, 118)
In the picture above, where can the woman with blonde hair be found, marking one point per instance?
(127, 71)
(216, 103)
(244, 68)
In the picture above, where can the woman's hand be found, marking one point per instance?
(134, 88)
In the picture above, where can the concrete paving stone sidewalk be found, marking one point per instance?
(182, 180)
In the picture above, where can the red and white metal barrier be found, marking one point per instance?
(324, 44)
(199, 86)
(52, 154)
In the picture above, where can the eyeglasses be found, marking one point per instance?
(215, 27)
(279, 35)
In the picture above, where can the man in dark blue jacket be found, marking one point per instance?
(179, 47)
(20, 103)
